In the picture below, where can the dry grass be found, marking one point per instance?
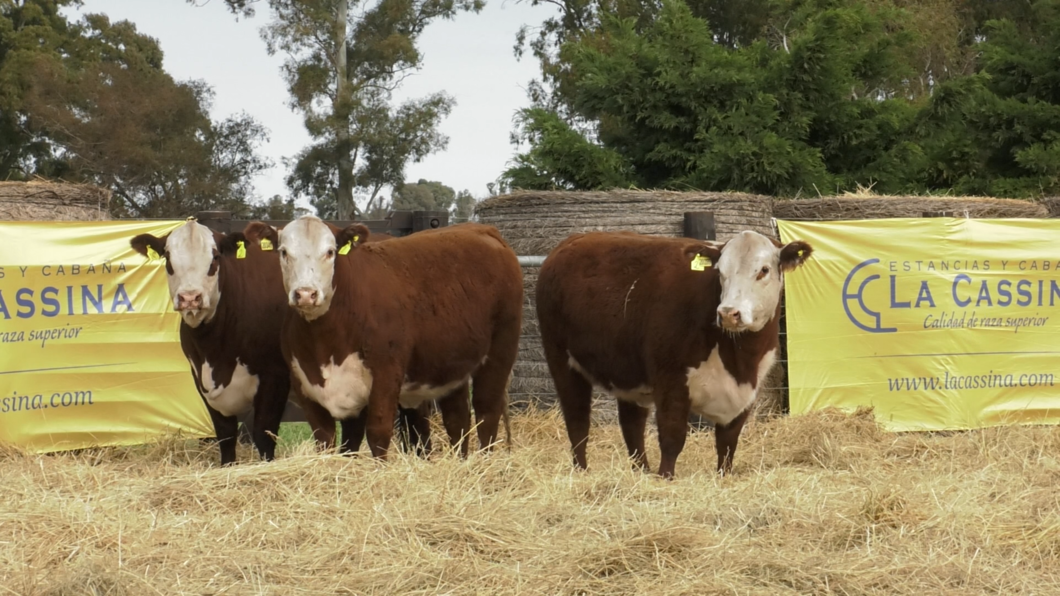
(819, 504)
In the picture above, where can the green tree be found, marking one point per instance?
(344, 61)
(31, 35)
(998, 132)
(666, 105)
(464, 206)
(423, 195)
(562, 158)
(240, 8)
(811, 96)
(90, 101)
(275, 208)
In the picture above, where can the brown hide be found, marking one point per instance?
(631, 312)
(413, 424)
(429, 309)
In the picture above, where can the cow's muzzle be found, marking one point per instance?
(189, 301)
(730, 319)
(305, 298)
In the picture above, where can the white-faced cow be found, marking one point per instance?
(678, 324)
(405, 322)
(232, 344)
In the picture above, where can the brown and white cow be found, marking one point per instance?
(678, 324)
(407, 321)
(232, 344)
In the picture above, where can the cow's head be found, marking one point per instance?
(751, 269)
(193, 259)
(309, 248)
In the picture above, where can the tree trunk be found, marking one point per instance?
(344, 199)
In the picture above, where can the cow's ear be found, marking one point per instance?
(351, 237)
(794, 254)
(261, 233)
(149, 246)
(231, 243)
(703, 256)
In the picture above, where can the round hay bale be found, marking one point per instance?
(884, 207)
(53, 201)
(1052, 204)
(535, 222)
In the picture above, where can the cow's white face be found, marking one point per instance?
(307, 258)
(192, 264)
(752, 268)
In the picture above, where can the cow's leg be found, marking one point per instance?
(576, 402)
(456, 417)
(319, 419)
(381, 410)
(633, 419)
(490, 382)
(269, 405)
(725, 438)
(227, 430)
(416, 428)
(672, 419)
(353, 432)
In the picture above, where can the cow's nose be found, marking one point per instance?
(189, 300)
(729, 316)
(305, 297)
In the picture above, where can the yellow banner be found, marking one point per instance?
(937, 323)
(89, 342)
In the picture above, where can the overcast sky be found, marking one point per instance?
(470, 58)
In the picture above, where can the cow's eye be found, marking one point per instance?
(331, 253)
(283, 253)
(764, 272)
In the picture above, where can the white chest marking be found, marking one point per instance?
(414, 394)
(642, 396)
(346, 386)
(714, 392)
(235, 398)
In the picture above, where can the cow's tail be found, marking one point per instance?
(507, 430)
(506, 414)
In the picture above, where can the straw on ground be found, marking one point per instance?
(819, 504)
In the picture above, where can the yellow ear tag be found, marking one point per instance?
(152, 254)
(266, 244)
(345, 250)
(241, 251)
(800, 253)
(701, 263)
(356, 238)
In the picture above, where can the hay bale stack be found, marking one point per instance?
(53, 201)
(535, 222)
(884, 207)
(1052, 204)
